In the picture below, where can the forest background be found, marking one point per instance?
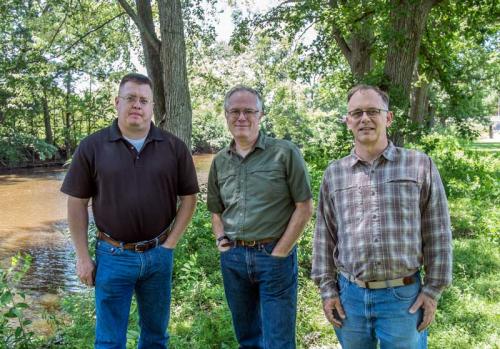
(439, 60)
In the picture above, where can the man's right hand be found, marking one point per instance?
(332, 307)
(85, 270)
(223, 248)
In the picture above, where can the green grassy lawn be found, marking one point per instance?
(486, 146)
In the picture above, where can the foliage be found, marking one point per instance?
(13, 322)
(16, 147)
(471, 183)
(347, 42)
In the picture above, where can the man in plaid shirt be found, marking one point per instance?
(382, 214)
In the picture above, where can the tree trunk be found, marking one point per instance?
(178, 113)
(408, 18)
(166, 64)
(67, 117)
(49, 138)
(356, 49)
(420, 103)
(153, 61)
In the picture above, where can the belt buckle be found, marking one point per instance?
(139, 246)
(252, 244)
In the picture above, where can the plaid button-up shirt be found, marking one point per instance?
(382, 221)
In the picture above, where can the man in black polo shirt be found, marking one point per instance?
(134, 172)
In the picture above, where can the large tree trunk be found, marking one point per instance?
(166, 64)
(408, 18)
(178, 113)
(153, 61)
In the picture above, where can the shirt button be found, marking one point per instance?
(374, 216)
(376, 240)
(241, 214)
(373, 193)
(137, 158)
(372, 171)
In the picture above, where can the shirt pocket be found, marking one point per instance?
(401, 196)
(269, 182)
(348, 203)
(228, 186)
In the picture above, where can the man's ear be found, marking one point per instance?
(389, 118)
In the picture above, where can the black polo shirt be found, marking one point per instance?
(134, 195)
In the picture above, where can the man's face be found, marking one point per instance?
(134, 106)
(368, 130)
(243, 116)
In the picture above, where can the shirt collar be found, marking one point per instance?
(153, 134)
(389, 154)
(261, 143)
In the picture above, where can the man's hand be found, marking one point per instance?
(334, 311)
(85, 269)
(223, 248)
(429, 306)
(279, 253)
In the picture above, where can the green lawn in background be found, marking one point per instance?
(485, 146)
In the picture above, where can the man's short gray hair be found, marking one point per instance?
(243, 88)
(364, 87)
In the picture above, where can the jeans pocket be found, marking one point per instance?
(103, 247)
(342, 284)
(406, 293)
(267, 249)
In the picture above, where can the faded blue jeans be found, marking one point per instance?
(380, 315)
(261, 291)
(119, 274)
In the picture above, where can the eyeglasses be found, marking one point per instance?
(133, 99)
(370, 112)
(247, 113)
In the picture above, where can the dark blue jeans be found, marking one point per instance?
(380, 315)
(261, 291)
(119, 274)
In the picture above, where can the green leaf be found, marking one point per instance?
(22, 305)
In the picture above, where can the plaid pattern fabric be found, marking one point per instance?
(382, 221)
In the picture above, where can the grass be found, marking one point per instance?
(468, 313)
(486, 146)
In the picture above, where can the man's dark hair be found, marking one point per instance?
(363, 87)
(137, 78)
(243, 88)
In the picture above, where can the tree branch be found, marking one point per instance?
(337, 35)
(80, 39)
(148, 34)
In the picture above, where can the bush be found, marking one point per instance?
(13, 323)
(470, 178)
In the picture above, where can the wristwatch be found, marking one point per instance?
(220, 238)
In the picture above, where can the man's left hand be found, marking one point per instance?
(429, 306)
(278, 253)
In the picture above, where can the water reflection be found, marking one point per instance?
(33, 220)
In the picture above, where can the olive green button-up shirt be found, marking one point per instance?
(256, 195)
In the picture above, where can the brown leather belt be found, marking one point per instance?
(251, 243)
(407, 280)
(140, 246)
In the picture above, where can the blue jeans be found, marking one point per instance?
(119, 274)
(380, 315)
(261, 291)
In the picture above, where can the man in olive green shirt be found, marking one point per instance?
(260, 198)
